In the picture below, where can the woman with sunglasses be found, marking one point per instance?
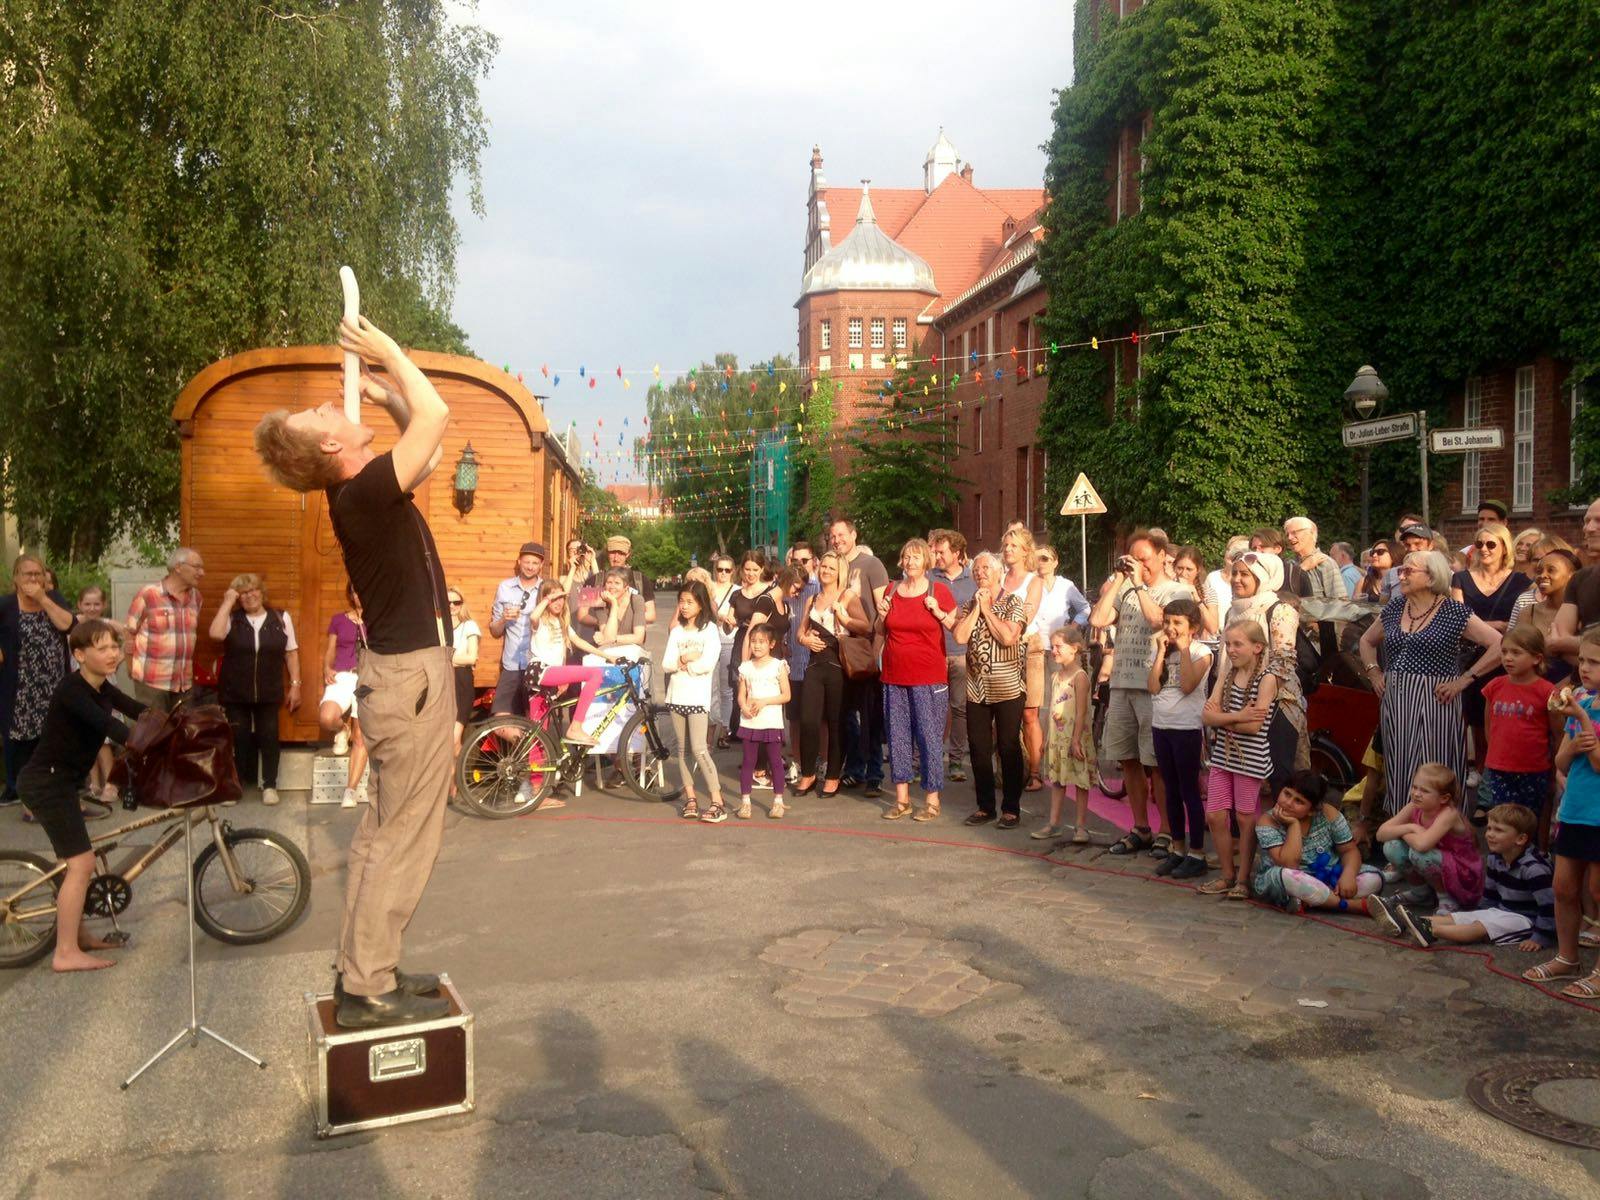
(465, 637)
(722, 589)
(1383, 556)
(1490, 588)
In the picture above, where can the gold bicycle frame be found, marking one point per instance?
(135, 866)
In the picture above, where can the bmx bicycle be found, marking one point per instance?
(250, 885)
(510, 765)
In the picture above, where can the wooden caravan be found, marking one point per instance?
(242, 521)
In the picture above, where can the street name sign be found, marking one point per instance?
(1465, 441)
(1082, 499)
(1383, 429)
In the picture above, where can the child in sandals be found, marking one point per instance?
(1306, 856)
(1240, 709)
(1069, 748)
(1577, 841)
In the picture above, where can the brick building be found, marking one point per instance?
(638, 498)
(1533, 404)
(942, 270)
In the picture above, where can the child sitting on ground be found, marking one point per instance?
(1520, 729)
(76, 725)
(1306, 856)
(1069, 746)
(1429, 841)
(1577, 841)
(1518, 897)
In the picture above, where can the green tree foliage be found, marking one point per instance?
(657, 551)
(180, 182)
(702, 431)
(899, 476)
(816, 481)
(1322, 184)
(601, 514)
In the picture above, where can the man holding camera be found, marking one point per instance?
(511, 620)
(1132, 599)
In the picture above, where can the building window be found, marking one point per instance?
(977, 430)
(1522, 446)
(899, 333)
(1574, 408)
(978, 521)
(855, 333)
(1025, 485)
(877, 333)
(1472, 465)
(825, 335)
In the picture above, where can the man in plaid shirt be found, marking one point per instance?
(163, 623)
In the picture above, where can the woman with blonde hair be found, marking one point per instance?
(916, 611)
(258, 644)
(1020, 556)
(1489, 587)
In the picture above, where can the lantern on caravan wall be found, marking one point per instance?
(466, 479)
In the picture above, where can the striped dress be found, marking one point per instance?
(1247, 754)
(1418, 729)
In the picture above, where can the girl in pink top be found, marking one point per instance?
(1429, 839)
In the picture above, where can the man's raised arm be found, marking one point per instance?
(413, 402)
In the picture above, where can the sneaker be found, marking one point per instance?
(349, 800)
(341, 743)
(1474, 778)
(744, 809)
(269, 796)
(1383, 918)
(1170, 863)
(7, 801)
(874, 789)
(849, 781)
(1191, 867)
(791, 774)
(776, 811)
(714, 815)
(1418, 930)
(957, 773)
(361, 794)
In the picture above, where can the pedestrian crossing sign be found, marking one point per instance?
(1082, 499)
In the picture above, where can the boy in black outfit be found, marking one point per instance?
(76, 726)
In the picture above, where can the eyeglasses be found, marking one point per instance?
(803, 562)
(1490, 545)
(724, 570)
(1410, 571)
(455, 599)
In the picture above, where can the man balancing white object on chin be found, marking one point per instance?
(404, 678)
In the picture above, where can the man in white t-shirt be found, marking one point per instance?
(1132, 599)
(1219, 584)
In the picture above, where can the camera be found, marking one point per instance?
(1126, 565)
(583, 549)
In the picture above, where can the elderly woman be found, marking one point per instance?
(1420, 636)
(1258, 596)
(34, 621)
(915, 612)
(990, 625)
(258, 643)
(1489, 587)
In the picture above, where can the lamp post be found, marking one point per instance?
(1364, 398)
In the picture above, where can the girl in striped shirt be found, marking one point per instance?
(1240, 710)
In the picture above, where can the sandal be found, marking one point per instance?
(898, 811)
(1587, 988)
(714, 815)
(1034, 783)
(1132, 842)
(1589, 934)
(1162, 846)
(690, 811)
(1217, 887)
(930, 812)
(1547, 972)
(1239, 891)
(1080, 836)
(1045, 834)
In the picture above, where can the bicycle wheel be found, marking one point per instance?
(1108, 772)
(27, 927)
(275, 884)
(508, 766)
(647, 748)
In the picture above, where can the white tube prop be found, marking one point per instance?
(352, 362)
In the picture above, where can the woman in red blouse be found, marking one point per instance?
(916, 695)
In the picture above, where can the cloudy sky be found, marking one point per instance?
(645, 181)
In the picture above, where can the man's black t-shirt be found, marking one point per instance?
(77, 724)
(391, 560)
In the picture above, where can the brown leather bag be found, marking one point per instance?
(179, 759)
(862, 657)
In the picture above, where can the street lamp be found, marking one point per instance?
(466, 479)
(1364, 398)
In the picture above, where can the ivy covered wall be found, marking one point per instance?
(1322, 184)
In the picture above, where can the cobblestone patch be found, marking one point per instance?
(1264, 962)
(871, 970)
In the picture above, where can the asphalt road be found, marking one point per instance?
(824, 1006)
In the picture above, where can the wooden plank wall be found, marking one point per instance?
(241, 521)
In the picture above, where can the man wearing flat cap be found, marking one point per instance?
(618, 548)
(511, 620)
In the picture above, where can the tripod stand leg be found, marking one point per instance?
(185, 1032)
(215, 1036)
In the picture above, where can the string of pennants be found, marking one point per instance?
(947, 374)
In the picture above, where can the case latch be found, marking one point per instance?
(397, 1060)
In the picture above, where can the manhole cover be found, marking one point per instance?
(1507, 1091)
